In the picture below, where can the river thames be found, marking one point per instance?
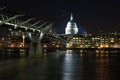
(64, 65)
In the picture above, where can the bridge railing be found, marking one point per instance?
(21, 21)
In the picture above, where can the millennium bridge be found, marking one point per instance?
(35, 29)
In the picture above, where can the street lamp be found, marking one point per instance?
(23, 37)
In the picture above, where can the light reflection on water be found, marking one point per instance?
(66, 65)
(69, 67)
(102, 66)
(93, 65)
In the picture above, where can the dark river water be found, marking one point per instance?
(64, 65)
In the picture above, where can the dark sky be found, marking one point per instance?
(90, 15)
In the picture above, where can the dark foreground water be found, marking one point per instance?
(64, 65)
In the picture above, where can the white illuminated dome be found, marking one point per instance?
(71, 27)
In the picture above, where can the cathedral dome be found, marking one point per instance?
(71, 27)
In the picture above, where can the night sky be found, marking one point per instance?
(92, 16)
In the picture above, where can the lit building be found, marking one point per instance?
(94, 41)
(71, 27)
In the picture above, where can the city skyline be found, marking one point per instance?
(91, 16)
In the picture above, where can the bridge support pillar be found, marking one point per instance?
(35, 49)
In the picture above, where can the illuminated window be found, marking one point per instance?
(112, 40)
(92, 38)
